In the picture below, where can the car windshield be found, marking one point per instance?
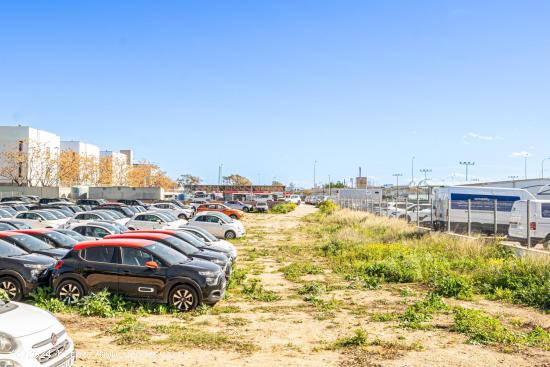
(127, 211)
(205, 234)
(182, 246)
(224, 217)
(166, 253)
(20, 225)
(167, 216)
(62, 239)
(75, 235)
(30, 242)
(189, 238)
(5, 214)
(9, 250)
(10, 210)
(76, 209)
(6, 227)
(48, 215)
(58, 214)
(109, 226)
(117, 227)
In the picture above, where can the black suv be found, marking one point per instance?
(90, 202)
(138, 270)
(32, 244)
(21, 272)
(132, 202)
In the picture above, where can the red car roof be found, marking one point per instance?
(140, 235)
(34, 231)
(164, 231)
(8, 233)
(114, 242)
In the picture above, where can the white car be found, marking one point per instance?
(95, 215)
(296, 199)
(173, 209)
(539, 222)
(262, 207)
(412, 214)
(40, 219)
(210, 240)
(218, 224)
(154, 220)
(95, 230)
(31, 337)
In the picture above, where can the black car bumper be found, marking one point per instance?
(213, 294)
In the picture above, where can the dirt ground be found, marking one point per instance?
(292, 332)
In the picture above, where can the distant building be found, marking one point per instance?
(28, 156)
(113, 168)
(129, 153)
(89, 160)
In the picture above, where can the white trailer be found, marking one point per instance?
(482, 202)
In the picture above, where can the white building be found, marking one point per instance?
(89, 159)
(28, 156)
(118, 167)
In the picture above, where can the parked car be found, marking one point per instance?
(296, 199)
(94, 230)
(413, 213)
(123, 209)
(40, 219)
(238, 205)
(132, 202)
(539, 222)
(20, 271)
(262, 206)
(51, 237)
(173, 209)
(31, 244)
(32, 337)
(180, 245)
(148, 271)
(5, 213)
(90, 202)
(154, 220)
(15, 224)
(73, 234)
(212, 241)
(94, 215)
(11, 210)
(217, 225)
(43, 201)
(22, 199)
(214, 207)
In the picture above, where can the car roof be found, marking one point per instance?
(8, 233)
(34, 231)
(119, 242)
(142, 235)
(160, 231)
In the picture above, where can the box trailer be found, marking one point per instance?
(490, 207)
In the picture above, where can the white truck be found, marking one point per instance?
(482, 203)
(539, 222)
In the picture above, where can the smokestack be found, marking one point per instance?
(360, 171)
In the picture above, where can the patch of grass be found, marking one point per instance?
(359, 339)
(44, 298)
(235, 321)
(255, 290)
(283, 208)
(384, 317)
(296, 270)
(96, 304)
(130, 331)
(422, 311)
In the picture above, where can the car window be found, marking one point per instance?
(211, 219)
(9, 250)
(48, 216)
(61, 239)
(5, 227)
(29, 242)
(141, 218)
(97, 232)
(545, 209)
(99, 254)
(136, 257)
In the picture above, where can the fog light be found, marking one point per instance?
(8, 363)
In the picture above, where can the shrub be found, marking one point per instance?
(283, 208)
(130, 331)
(296, 270)
(359, 339)
(44, 298)
(450, 285)
(96, 304)
(4, 295)
(481, 328)
(422, 311)
(255, 291)
(327, 207)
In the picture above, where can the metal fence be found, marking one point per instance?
(464, 217)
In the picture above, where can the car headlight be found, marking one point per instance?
(219, 262)
(211, 277)
(8, 363)
(36, 270)
(7, 344)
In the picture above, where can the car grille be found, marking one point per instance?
(49, 340)
(53, 352)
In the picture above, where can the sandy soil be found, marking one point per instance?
(289, 332)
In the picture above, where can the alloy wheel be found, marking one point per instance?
(69, 293)
(182, 300)
(10, 288)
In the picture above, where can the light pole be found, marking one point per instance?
(329, 186)
(425, 171)
(412, 171)
(397, 175)
(314, 174)
(542, 166)
(525, 163)
(467, 164)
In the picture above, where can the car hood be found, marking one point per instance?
(35, 259)
(57, 253)
(199, 265)
(210, 255)
(24, 320)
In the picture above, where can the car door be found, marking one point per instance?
(214, 225)
(543, 225)
(100, 268)
(137, 280)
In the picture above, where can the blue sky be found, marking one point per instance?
(268, 87)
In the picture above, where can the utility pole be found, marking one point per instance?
(329, 186)
(525, 164)
(412, 171)
(467, 164)
(425, 171)
(397, 175)
(542, 167)
(314, 174)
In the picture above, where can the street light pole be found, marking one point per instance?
(542, 166)
(397, 175)
(525, 161)
(412, 171)
(425, 171)
(467, 164)
(314, 174)
(329, 186)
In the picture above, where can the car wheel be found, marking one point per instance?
(233, 216)
(70, 291)
(229, 235)
(245, 209)
(546, 243)
(182, 216)
(12, 288)
(184, 298)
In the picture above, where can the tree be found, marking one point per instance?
(237, 180)
(336, 185)
(14, 164)
(146, 174)
(69, 167)
(276, 183)
(188, 180)
(105, 171)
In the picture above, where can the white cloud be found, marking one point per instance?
(475, 136)
(521, 154)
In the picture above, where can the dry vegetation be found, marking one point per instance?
(342, 289)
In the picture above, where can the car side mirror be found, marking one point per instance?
(40, 219)
(151, 265)
(159, 221)
(221, 224)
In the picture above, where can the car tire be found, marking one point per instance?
(229, 235)
(183, 298)
(131, 228)
(546, 243)
(245, 209)
(70, 291)
(12, 287)
(233, 216)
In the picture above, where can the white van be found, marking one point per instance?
(482, 201)
(539, 222)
